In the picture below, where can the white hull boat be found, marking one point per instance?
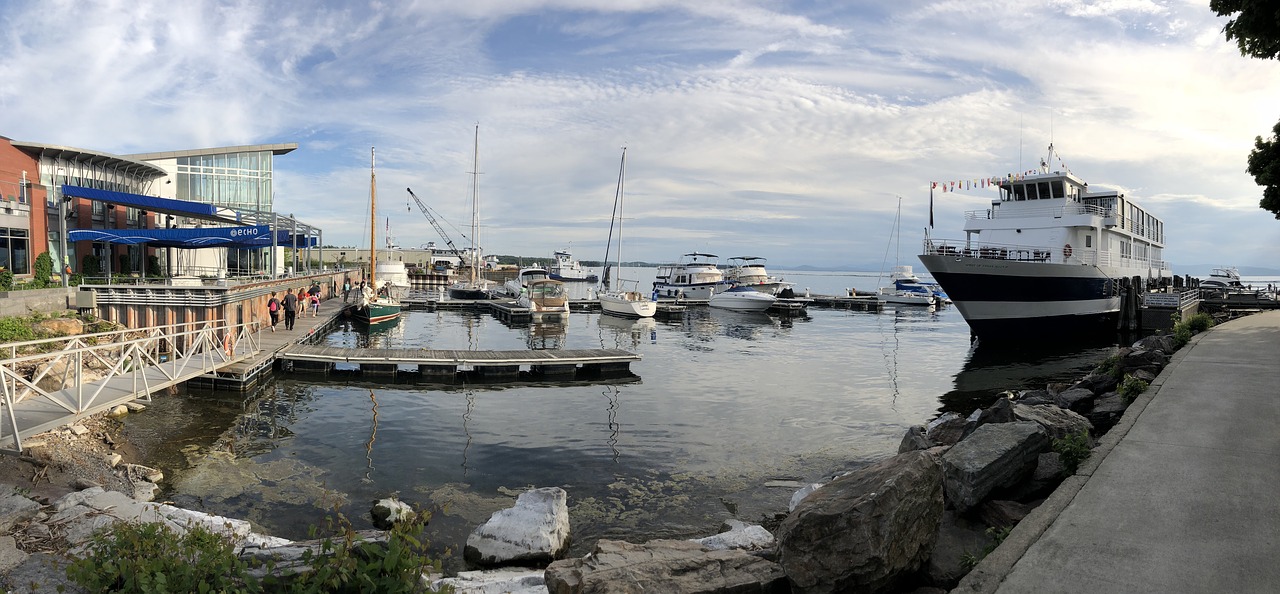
(1045, 256)
(696, 276)
(618, 301)
(742, 299)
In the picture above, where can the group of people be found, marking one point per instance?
(293, 304)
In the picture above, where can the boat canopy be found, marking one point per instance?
(256, 236)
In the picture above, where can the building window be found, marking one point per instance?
(14, 251)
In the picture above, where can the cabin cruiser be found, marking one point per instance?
(749, 271)
(695, 276)
(518, 284)
(546, 300)
(1046, 254)
(1223, 277)
(907, 288)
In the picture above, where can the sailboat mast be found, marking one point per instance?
(622, 170)
(475, 209)
(373, 220)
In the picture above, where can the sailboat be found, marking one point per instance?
(898, 292)
(376, 306)
(618, 301)
(473, 287)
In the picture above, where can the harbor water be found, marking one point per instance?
(725, 416)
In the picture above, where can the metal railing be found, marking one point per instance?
(177, 351)
(1040, 212)
(1026, 253)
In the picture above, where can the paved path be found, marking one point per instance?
(1182, 496)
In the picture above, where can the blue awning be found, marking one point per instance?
(184, 208)
(257, 236)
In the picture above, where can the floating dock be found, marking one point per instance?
(453, 365)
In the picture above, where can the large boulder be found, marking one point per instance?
(1107, 410)
(389, 511)
(668, 566)
(947, 429)
(994, 456)
(1152, 361)
(1057, 422)
(1074, 399)
(1164, 343)
(534, 531)
(59, 327)
(959, 538)
(15, 509)
(863, 531)
(914, 439)
(1098, 383)
(739, 535)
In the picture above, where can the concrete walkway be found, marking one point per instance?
(1182, 496)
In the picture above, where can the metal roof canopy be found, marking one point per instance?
(256, 236)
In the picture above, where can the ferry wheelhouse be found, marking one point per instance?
(1047, 254)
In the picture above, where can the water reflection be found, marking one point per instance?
(373, 436)
(625, 333)
(545, 335)
(470, 395)
(612, 393)
(705, 324)
(992, 368)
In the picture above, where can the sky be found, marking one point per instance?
(774, 128)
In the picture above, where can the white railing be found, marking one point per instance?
(177, 351)
(1024, 253)
(1024, 212)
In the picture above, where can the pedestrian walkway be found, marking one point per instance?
(1182, 496)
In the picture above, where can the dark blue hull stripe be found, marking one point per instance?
(991, 287)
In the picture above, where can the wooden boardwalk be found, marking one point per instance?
(448, 365)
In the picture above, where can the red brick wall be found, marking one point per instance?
(12, 163)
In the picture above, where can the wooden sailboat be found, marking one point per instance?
(473, 287)
(616, 300)
(376, 305)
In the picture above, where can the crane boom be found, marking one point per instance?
(445, 236)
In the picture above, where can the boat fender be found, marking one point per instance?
(1066, 251)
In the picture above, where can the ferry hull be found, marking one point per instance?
(1004, 297)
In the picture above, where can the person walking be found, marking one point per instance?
(346, 289)
(273, 308)
(315, 301)
(290, 309)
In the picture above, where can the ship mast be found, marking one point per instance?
(373, 221)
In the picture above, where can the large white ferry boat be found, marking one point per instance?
(1047, 254)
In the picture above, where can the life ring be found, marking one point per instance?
(1066, 251)
(228, 343)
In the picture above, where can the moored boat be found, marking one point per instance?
(750, 272)
(695, 276)
(616, 299)
(567, 269)
(742, 298)
(546, 300)
(1047, 255)
(375, 306)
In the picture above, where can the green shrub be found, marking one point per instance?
(1200, 322)
(1110, 366)
(151, 557)
(1072, 450)
(6, 279)
(90, 265)
(153, 266)
(15, 330)
(1131, 387)
(44, 268)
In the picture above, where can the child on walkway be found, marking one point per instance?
(315, 301)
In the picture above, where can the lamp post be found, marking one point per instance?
(62, 229)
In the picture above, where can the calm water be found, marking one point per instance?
(725, 412)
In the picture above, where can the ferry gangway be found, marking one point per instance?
(52, 382)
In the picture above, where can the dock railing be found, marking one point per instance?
(162, 355)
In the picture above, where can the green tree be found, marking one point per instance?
(1255, 27)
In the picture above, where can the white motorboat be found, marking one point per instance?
(742, 299)
(1223, 277)
(518, 284)
(695, 276)
(566, 269)
(616, 299)
(749, 271)
(546, 300)
(1045, 255)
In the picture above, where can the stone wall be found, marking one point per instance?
(22, 303)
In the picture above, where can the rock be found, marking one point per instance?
(1057, 422)
(1144, 375)
(864, 531)
(140, 472)
(1000, 411)
(78, 429)
(118, 411)
(144, 490)
(1098, 382)
(1074, 399)
(134, 406)
(10, 556)
(1107, 410)
(675, 566)
(1048, 467)
(513, 580)
(914, 439)
(1164, 343)
(114, 459)
(1152, 361)
(59, 327)
(995, 456)
(42, 573)
(1003, 514)
(534, 531)
(800, 494)
(957, 538)
(738, 535)
(386, 513)
(946, 429)
(16, 509)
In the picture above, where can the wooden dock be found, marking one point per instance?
(859, 303)
(452, 365)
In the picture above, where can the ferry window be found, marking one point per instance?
(1088, 241)
(1058, 191)
(1043, 187)
(1020, 192)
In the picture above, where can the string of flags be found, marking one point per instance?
(980, 183)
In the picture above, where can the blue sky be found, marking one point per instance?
(772, 128)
